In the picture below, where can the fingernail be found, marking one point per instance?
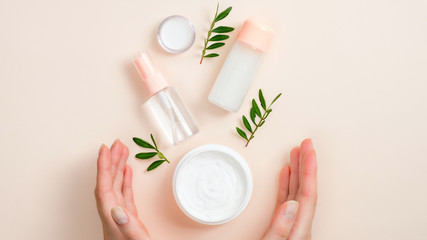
(291, 210)
(102, 146)
(119, 215)
(310, 141)
(115, 142)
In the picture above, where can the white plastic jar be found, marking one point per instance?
(212, 184)
(176, 34)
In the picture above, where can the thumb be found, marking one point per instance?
(130, 226)
(283, 221)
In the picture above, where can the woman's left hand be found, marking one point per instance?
(114, 195)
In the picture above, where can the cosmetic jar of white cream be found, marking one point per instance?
(176, 34)
(212, 184)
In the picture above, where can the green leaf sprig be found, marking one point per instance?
(218, 37)
(254, 113)
(148, 155)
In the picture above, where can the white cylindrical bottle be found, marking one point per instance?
(238, 71)
(165, 102)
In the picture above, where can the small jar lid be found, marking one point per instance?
(176, 34)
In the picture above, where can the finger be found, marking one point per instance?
(116, 153)
(308, 186)
(294, 177)
(104, 180)
(306, 146)
(128, 191)
(283, 186)
(118, 181)
(282, 223)
(307, 196)
(129, 225)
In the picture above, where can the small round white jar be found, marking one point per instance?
(176, 34)
(212, 184)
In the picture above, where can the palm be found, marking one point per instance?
(114, 187)
(297, 182)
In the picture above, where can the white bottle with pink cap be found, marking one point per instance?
(165, 102)
(240, 66)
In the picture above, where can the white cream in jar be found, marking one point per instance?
(212, 184)
(176, 34)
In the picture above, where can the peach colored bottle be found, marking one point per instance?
(240, 66)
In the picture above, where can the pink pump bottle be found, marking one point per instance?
(165, 102)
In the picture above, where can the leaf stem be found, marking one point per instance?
(148, 155)
(209, 34)
(264, 116)
(166, 159)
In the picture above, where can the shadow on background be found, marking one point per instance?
(81, 213)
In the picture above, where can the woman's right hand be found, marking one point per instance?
(296, 201)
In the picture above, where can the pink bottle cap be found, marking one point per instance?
(257, 35)
(153, 79)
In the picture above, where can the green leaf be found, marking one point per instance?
(212, 55)
(253, 115)
(152, 139)
(161, 156)
(241, 133)
(155, 164)
(262, 100)
(216, 45)
(219, 37)
(256, 108)
(222, 29)
(223, 14)
(246, 123)
(277, 97)
(142, 143)
(146, 155)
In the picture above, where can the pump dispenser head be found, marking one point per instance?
(152, 78)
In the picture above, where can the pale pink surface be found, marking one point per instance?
(353, 76)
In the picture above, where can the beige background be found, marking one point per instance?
(354, 77)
